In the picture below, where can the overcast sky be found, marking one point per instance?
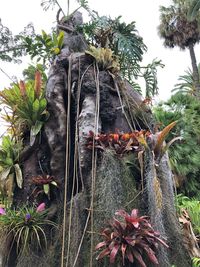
(17, 14)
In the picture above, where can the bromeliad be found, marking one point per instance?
(130, 239)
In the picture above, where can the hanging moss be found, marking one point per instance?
(115, 188)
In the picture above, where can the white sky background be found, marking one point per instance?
(17, 14)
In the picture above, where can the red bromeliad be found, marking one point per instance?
(130, 240)
(120, 142)
(134, 141)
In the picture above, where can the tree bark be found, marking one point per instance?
(195, 70)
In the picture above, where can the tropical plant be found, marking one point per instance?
(27, 103)
(125, 42)
(149, 73)
(44, 46)
(105, 58)
(134, 141)
(29, 73)
(184, 155)
(177, 30)
(120, 142)
(186, 83)
(46, 4)
(196, 262)
(10, 170)
(44, 181)
(130, 239)
(192, 206)
(25, 228)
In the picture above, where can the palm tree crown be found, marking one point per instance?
(175, 27)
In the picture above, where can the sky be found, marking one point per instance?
(17, 14)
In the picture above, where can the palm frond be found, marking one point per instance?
(194, 9)
(187, 83)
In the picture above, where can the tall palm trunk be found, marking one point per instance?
(195, 69)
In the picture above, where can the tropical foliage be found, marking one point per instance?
(27, 105)
(44, 46)
(133, 141)
(125, 43)
(192, 206)
(105, 58)
(178, 30)
(186, 83)
(10, 171)
(175, 28)
(130, 240)
(25, 227)
(43, 184)
(196, 262)
(185, 153)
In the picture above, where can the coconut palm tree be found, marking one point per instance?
(177, 30)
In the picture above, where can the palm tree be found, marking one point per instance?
(186, 83)
(177, 30)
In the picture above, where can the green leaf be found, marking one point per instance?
(46, 188)
(36, 106)
(44, 35)
(35, 129)
(54, 35)
(19, 177)
(43, 105)
(4, 174)
(31, 94)
(60, 39)
(8, 162)
(56, 50)
(6, 143)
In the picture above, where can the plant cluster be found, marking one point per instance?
(44, 46)
(121, 143)
(27, 104)
(43, 183)
(25, 227)
(9, 166)
(125, 43)
(104, 58)
(192, 207)
(131, 239)
(196, 262)
(184, 155)
(134, 141)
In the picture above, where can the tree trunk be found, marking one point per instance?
(195, 70)
(93, 185)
